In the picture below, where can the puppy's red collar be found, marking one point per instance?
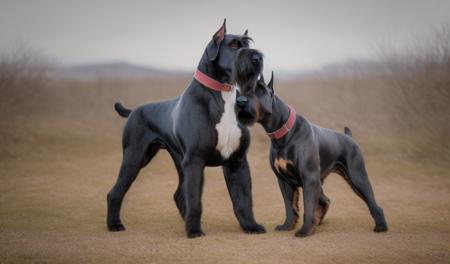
(211, 83)
(281, 132)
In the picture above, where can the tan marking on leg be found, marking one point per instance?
(295, 207)
(320, 212)
(295, 201)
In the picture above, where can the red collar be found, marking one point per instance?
(211, 83)
(281, 132)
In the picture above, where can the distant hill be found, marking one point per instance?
(120, 70)
(123, 70)
(347, 68)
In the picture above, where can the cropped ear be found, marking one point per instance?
(246, 32)
(261, 78)
(270, 84)
(213, 47)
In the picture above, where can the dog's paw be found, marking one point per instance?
(255, 229)
(284, 227)
(194, 234)
(116, 227)
(304, 232)
(380, 228)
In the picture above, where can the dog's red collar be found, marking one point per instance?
(211, 83)
(281, 132)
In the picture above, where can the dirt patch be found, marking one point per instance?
(53, 210)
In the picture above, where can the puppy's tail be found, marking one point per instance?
(121, 110)
(347, 131)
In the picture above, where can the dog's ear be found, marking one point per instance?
(246, 32)
(267, 101)
(270, 84)
(213, 47)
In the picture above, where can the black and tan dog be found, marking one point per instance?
(302, 154)
(198, 129)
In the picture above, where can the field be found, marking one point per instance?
(61, 153)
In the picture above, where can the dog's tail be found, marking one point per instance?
(347, 131)
(121, 110)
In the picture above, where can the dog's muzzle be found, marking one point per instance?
(241, 101)
(244, 111)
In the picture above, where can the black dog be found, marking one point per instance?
(198, 129)
(302, 154)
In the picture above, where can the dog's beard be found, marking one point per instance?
(246, 117)
(244, 72)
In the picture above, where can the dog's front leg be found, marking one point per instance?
(237, 177)
(311, 193)
(193, 183)
(290, 197)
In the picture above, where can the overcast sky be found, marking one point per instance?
(294, 35)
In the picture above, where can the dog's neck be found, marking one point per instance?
(207, 67)
(278, 118)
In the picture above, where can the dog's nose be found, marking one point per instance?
(241, 101)
(256, 58)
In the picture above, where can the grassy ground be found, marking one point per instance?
(56, 168)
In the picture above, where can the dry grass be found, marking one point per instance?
(419, 78)
(61, 152)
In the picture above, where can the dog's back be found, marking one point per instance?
(334, 147)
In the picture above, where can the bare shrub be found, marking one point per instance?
(420, 76)
(22, 74)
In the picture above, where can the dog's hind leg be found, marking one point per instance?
(356, 175)
(178, 196)
(290, 197)
(135, 157)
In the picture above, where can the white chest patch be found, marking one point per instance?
(228, 131)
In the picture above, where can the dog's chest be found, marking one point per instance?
(281, 164)
(228, 131)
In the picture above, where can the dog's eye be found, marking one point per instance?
(234, 45)
(260, 90)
